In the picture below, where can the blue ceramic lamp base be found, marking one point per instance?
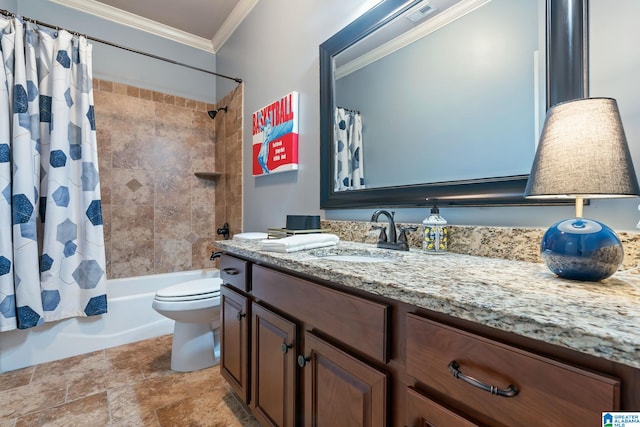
(581, 249)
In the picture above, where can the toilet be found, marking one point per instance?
(195, 307)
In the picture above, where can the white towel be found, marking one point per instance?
(245, 237)
(299, 242)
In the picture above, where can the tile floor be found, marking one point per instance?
(130, 385)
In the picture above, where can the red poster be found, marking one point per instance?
(275, 136)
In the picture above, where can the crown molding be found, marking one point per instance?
(237, 15)
(137, 22)
(432, 24)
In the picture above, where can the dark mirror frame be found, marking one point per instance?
(566, 35)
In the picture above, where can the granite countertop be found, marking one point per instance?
(601, 319)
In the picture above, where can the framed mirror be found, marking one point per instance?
(451, 95)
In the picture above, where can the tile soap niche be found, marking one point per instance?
(207, 175)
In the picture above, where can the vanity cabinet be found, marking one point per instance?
(305, 351)
(336, 334)
(314, 352)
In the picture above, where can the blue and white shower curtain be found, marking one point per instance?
(52, 259)
(348, 168)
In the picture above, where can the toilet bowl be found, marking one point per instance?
(195, 307)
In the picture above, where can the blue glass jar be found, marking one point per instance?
(581, 249)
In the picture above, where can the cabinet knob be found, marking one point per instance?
(285, 347)
(240, 315)
(302, 361)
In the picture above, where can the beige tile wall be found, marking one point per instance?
(228, 152)
(158, 216)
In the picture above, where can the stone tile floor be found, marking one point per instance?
(129, 385)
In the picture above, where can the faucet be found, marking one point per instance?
(224, 231)
(391, 241)
(392, 228)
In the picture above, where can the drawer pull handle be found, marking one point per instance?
(285, 347)
(302, 361)
(240, 315)
(231, 271)
(510, 391)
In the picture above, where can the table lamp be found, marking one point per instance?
(582, 154)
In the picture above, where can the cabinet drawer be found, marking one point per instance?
(235, 272)
(548, 392)
(357, 322)
(424, 412)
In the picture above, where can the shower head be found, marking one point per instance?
(213, 113)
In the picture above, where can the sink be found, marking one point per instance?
(354, 255)
(356, 258)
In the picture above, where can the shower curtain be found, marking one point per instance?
(348, 166)
(52, 259)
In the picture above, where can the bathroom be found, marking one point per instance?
(148, 228)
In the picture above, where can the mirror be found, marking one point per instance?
(466, 141)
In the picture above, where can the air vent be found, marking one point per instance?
(420, 13)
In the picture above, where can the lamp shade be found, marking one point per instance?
(583, 152)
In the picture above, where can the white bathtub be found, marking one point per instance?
(130, 318)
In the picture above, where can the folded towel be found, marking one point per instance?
(299, 242)
(244, 237)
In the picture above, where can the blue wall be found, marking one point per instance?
(276, 50)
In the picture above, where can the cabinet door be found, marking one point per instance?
(424, 412)
(273, 394)
(339, 389)
(234, 359)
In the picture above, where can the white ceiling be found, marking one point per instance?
(204, 24)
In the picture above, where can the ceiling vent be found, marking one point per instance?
(420, 13)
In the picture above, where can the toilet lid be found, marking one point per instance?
(201, 288)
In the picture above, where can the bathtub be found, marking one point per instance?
(130, 318)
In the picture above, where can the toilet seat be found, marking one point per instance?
(192, 290)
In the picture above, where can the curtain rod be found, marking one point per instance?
(108, 43)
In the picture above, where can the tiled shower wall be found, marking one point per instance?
(158, 216)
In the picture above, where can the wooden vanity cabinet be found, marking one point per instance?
(327, 332)
(302, 351)
(295, 351)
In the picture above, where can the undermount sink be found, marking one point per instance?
(356, 258)
(354, 255)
